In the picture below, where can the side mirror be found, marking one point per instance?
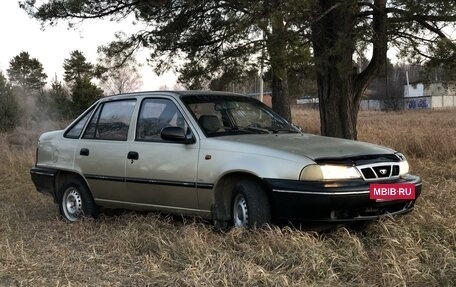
(177, 134)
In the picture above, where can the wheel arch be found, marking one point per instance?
(224, 192)
(63, 176)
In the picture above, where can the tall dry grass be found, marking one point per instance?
(417, 134)
(146, 249)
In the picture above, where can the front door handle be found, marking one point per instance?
(84, 152)
(133, 155)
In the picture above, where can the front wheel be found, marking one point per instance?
(76, 201)
(250, 206)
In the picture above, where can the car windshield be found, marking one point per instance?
(232, 115)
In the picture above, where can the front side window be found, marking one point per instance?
(234, 115)
(111, 121)
(156, 114)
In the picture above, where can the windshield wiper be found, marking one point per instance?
(254, 129)
(276, 131)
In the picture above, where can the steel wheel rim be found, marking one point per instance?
(72, 204)
(240, 211)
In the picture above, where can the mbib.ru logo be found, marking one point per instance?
(392, 191)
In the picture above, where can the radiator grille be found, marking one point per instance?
(379, 171)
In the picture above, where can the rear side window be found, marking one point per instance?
(75, 131)
(111, 121)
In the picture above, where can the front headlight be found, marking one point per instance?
(328, 172)
(403, 167)
(311, 173)
(403, 164)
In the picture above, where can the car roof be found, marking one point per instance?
(175, 94)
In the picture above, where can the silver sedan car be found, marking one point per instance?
(217, 155)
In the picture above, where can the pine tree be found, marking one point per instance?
(77, 68)
(9, 109)
(79, 74)
(26, 72)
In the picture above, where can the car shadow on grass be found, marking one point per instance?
(180, 221)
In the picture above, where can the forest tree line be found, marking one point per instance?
(27, 95)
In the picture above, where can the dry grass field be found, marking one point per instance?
(37, 248)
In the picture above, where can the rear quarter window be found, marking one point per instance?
(75, 131)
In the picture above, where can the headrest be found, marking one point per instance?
(209, 123)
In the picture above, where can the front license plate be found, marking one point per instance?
(386, 192)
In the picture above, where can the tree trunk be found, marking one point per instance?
(338, 105)
(277, 48)
(339, 86)
(333, 44)
(280, 96)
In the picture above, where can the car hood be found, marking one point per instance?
(311, 146)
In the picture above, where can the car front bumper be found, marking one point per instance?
(335, 201)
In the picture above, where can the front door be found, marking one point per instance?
(160, 173)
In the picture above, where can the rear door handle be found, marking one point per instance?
(84, 152)
(133, 155)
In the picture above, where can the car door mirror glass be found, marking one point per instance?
(177, 134)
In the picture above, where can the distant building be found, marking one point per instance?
(416, 96)
(371, 104)
(372, 99)
(308, 102)
(429, 96)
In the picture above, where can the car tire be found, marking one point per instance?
(250, 205)
(76, 201)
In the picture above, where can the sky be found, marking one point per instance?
(19, 32)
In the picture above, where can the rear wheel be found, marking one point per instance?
(75, 201)
(250, 207)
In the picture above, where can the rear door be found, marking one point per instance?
(102, 149)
